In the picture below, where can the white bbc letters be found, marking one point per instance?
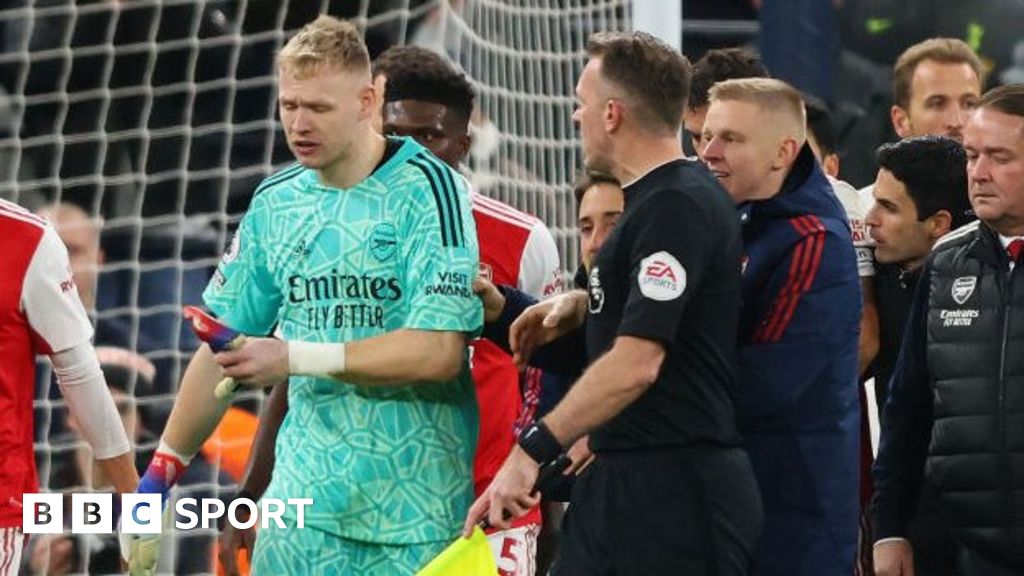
(42, 513)
(93, 513)
(140, 513)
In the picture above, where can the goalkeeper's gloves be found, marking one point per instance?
(141, 552)
(220, 338)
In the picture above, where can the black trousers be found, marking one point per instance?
(694, 511)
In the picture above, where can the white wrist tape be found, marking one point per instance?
(315, 359)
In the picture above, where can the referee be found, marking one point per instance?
(671, 491)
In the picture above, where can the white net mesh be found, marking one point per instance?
(525, 58)
(157, 118)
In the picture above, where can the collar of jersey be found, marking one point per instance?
(408, 148)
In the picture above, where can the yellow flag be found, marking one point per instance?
(465, 557)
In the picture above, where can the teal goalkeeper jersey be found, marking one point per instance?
(398, 250)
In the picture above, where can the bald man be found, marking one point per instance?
(797, 403)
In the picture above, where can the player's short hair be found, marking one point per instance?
(820, 125)
(325, 41)
(771, 95)
(416, 73)
(934, 171)
(1008, 99)
(652, 73)
(944, 50)
(587, 180)
(390, 58)
(718, 65)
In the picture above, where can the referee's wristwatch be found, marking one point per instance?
(540, 444)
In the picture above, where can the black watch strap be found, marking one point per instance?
(539, 443)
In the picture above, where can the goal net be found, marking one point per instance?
(148, 123)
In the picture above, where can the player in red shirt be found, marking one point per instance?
(515, 249)
(427, 99)
(41, 313)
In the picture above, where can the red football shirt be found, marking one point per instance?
(516, 249)
(40, 313)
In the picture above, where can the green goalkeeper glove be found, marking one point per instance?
(141, 552)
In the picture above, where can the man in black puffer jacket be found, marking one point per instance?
(955, 417)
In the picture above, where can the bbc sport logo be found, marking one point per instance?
(94, 513)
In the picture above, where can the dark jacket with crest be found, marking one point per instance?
(955, 416)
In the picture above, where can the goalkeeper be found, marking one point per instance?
(362, 255)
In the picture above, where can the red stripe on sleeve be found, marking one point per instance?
(780, 298)
(806, 262)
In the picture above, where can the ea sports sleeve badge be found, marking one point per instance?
(661, 277)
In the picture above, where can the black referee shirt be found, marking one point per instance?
(670, 272)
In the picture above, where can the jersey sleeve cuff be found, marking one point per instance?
(891, 539)
(646, 331)
(515, 302)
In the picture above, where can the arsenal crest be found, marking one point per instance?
(383, 241)
(963, 287)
